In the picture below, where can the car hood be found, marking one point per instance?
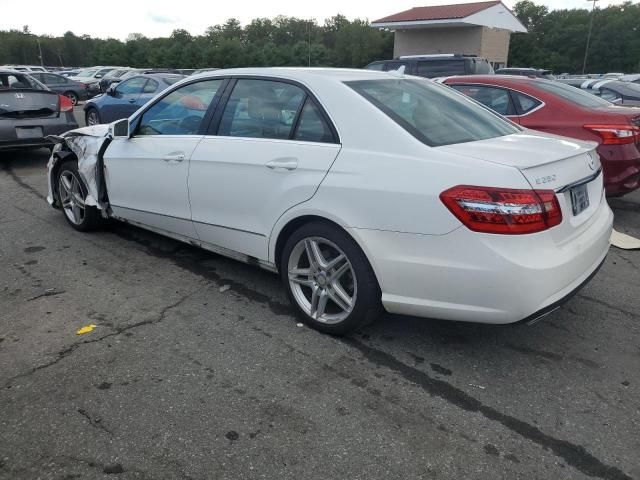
(87, 145)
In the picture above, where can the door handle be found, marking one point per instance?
(286, 163)
(174, 157)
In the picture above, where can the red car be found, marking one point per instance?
(561, 109)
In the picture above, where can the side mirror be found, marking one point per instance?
(120, 129)
(617, 101)
(111, 90)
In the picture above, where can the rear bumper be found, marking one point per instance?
(50, 126)
(621, 165)
(483, 278)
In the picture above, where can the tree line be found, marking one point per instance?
(555, 40)
(282, 41)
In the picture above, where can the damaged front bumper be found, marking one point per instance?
(87, 144)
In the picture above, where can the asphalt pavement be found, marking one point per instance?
(197, 369)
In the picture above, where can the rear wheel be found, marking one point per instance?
(72, 195)
(329, 279)
(73, 97)
(92, 117)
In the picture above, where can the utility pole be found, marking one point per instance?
(309, 40)
(586, 50)
(40, 54)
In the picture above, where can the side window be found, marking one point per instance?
(132, 86)
(609, 95)
(39, 76)
(526, 102)
(497, 99)
(50, 79)
(261, 109)
(375, 66)
(180, 112)
(150, 87)
(395, 66)
(311, 126)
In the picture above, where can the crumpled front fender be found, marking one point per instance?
(88, 145)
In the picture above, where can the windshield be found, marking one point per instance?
(572, 94)
(434, 114)
(86, 73)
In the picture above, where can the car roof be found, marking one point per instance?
(9, 70)
(301, 73)
(495, 79)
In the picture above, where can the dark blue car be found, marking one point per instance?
(121, 100)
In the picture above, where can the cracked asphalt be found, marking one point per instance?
(197, 369)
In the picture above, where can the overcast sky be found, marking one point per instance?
(118, 18)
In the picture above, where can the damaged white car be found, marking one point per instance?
(363, 189)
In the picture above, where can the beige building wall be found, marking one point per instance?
(491, 43)
(416, 41)
(495, 45)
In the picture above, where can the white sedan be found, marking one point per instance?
(362, 189)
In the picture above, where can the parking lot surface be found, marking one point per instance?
(196, 369)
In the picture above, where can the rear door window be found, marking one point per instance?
(497, 99)
(524, 103)
(432, 113)
(311, 126)
(261, 109)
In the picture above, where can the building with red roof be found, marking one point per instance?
(480, 28)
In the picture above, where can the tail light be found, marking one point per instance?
(82, 85)
(503, 210)
(65, 104)
(616, 134)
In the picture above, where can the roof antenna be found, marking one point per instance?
(398, 73)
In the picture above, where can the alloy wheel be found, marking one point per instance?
(92, 118)
(71, 197)
(322, 280)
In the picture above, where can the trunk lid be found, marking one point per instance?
(28, 103)
(549, 162)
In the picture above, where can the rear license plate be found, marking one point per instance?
(29, 132)
(579, 199)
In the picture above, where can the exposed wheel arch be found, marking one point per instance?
(295, 223)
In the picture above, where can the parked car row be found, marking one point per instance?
(124, 98)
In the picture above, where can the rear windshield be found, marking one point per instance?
(18, 81)
(434, 114)
(572, 94)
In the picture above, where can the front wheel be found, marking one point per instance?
(329, 279)
(72, 195)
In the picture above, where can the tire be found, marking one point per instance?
(71, 193)
(72, 96)
(356, 280)
(92, 117)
